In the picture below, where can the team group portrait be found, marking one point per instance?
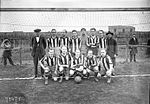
(74, 57)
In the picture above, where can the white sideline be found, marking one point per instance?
(117, 76)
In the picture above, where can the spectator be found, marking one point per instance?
(133, 49)
(112, 50)
(6, 44)
(148, 49)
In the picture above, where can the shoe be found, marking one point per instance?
(109, 80)
(60, 79)
(46, 82)
(96, 79)
(113, 74)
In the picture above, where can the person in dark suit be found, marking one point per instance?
(38, 46)
(148, 49)
(112, 50)
(133, 50)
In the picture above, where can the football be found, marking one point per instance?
(78, 79)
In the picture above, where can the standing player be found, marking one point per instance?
(106, 65)
(83, 41)
(92, 41)
(53, 41)
(64, 62)
(75, 42)
(77, 64)
(64, 40)
(90, 63)
(49, 64)
(102, 41)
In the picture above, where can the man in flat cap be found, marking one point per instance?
(38, 45)
(92, 41)
(133, 50)
(112, 50)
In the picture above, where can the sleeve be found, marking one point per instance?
(31, 43)
(88, 41)
(44, 42)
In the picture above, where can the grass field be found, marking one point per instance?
(122, 90)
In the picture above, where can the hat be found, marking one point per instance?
(83, 29)
(53, 31)
(37, 30)
(92, 29)
(109, 33)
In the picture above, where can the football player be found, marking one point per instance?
(91, 65)
(75, 42)
(49, 64)
(92, 41)
(106, 65)
(77, 64)
(64, 62)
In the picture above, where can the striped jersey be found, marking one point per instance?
(75, 43)
(64, 41)
(90, 61)
(106, 63)
(77, 61)
(64, 60)
(53, 42)
(103, 43)
(93, 40)
(49, 61)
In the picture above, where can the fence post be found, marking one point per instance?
(20, 51)
(127, 48)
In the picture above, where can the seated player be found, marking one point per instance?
(77, 64)
(64, 62)
(49, 64)
(106, 65)
(91, 65)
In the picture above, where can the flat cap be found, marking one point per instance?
(37, 30)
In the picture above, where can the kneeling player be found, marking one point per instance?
(106, 65)
(64, 62)
(77, 65)
(49, 64)
(91, 65)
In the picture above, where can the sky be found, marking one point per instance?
(28, 21)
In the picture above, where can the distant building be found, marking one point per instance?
(121, 29)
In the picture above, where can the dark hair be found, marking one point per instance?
(83, 29)
(92, 29)
(53, 31)
(101, 31)
(74, 31)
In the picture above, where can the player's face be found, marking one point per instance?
(90, 53)
(103, 53)
(51, 53)
(101, 33)
(75, 34)
(64, 50)
(93, 33)
(54, 33)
